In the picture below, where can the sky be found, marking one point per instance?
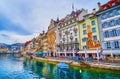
(22, 20)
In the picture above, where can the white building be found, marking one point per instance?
(67, 36)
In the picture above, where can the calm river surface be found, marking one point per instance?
(12, 67)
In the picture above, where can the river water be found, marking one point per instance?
(14, 67)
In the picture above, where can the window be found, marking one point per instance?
(105, 24)
(118, 32)
(85, 47)
(93, 22)
(113, 32)
(106, 34)
(84, 32)
(108, 45)
(93, 30)
(76, 40)
(105, 7)
(110, 14)
(85, 39)
(95, 37)
(118, 21)
(68, 22)
(113, 4)
(118, 12)
(73, 20)
(70, 34)
(112, 23)
(75, 33)
(63, 36)
(84, 25)
(116, 43)
(104, 16)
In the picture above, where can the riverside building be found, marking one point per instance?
(109, 24)
(68, 34)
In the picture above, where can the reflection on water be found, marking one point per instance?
(14, 67)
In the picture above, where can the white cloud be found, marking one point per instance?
(11, 37)
(35, 15)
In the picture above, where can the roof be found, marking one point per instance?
(27, 42)
(109, 4)
(73, 14)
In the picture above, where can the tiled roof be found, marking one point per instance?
(109, 4)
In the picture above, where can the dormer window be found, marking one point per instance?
(113, 4)
(65, 24)
(68, 22)
(105, 7)
(73, 21)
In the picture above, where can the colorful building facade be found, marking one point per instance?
(67, 32)
(51, 36)
(89, 32)
(44, 42)
(38, 44)
(109, 24)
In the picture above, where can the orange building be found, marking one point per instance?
(52, 37)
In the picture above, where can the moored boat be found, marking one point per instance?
(63, 65)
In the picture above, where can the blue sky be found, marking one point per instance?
(21, 20)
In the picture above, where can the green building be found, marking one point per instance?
(89, 32)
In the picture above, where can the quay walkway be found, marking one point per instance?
(94, 64)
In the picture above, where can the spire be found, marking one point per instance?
(72, 7)
(57, 19)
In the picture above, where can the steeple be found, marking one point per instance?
(72, 7)
(57, 19)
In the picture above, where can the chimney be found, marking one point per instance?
(99, 4)
(94, 11)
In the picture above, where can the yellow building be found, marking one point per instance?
(44, 42)
(89, 32)
(38, 44)
(51, 35)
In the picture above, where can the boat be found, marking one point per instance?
(63, 65)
